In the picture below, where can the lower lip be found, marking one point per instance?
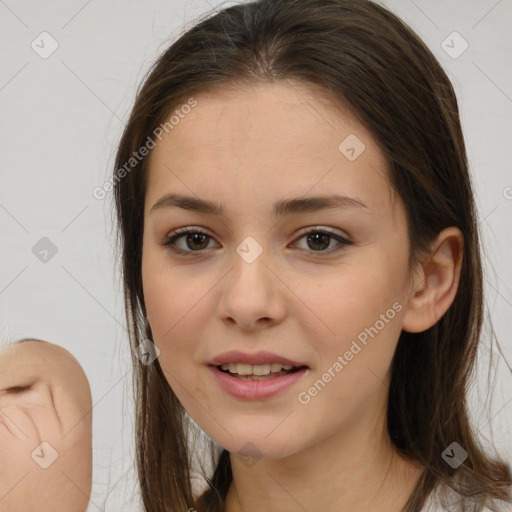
(256, 389)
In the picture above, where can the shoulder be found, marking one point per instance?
(444, 499)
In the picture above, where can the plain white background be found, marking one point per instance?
(61, 118)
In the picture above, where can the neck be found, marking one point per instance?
(351, 470)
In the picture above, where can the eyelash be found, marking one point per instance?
(178, 233)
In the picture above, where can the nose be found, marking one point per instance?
(253, 296)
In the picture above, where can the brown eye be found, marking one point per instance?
(318, 240)
(194, 241)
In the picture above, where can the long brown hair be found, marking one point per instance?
(362, 55)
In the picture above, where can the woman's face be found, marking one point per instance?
(259, 282)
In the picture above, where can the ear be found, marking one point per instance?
(436, 283)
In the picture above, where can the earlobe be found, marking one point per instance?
(437, 283)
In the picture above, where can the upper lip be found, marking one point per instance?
(235, 356)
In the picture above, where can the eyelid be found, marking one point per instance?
(330, 231)
(175, 233)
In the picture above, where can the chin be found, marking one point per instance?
(256, 445)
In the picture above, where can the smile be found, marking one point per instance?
(251, 386)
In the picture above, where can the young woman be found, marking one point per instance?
(302, 270)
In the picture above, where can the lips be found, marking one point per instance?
(256, 358)
(257, 389)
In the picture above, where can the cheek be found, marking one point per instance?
(170, 299)
(355, 313)
(348, 300)
(175, 310)
(356, 328)
(163, 289)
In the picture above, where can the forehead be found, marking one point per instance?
(266, 141)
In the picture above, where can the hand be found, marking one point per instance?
(45, 430)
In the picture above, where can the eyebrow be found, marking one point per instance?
(281, 208)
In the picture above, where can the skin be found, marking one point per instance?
(44, 397)
(247, 148)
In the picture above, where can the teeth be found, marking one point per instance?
(256, 369)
